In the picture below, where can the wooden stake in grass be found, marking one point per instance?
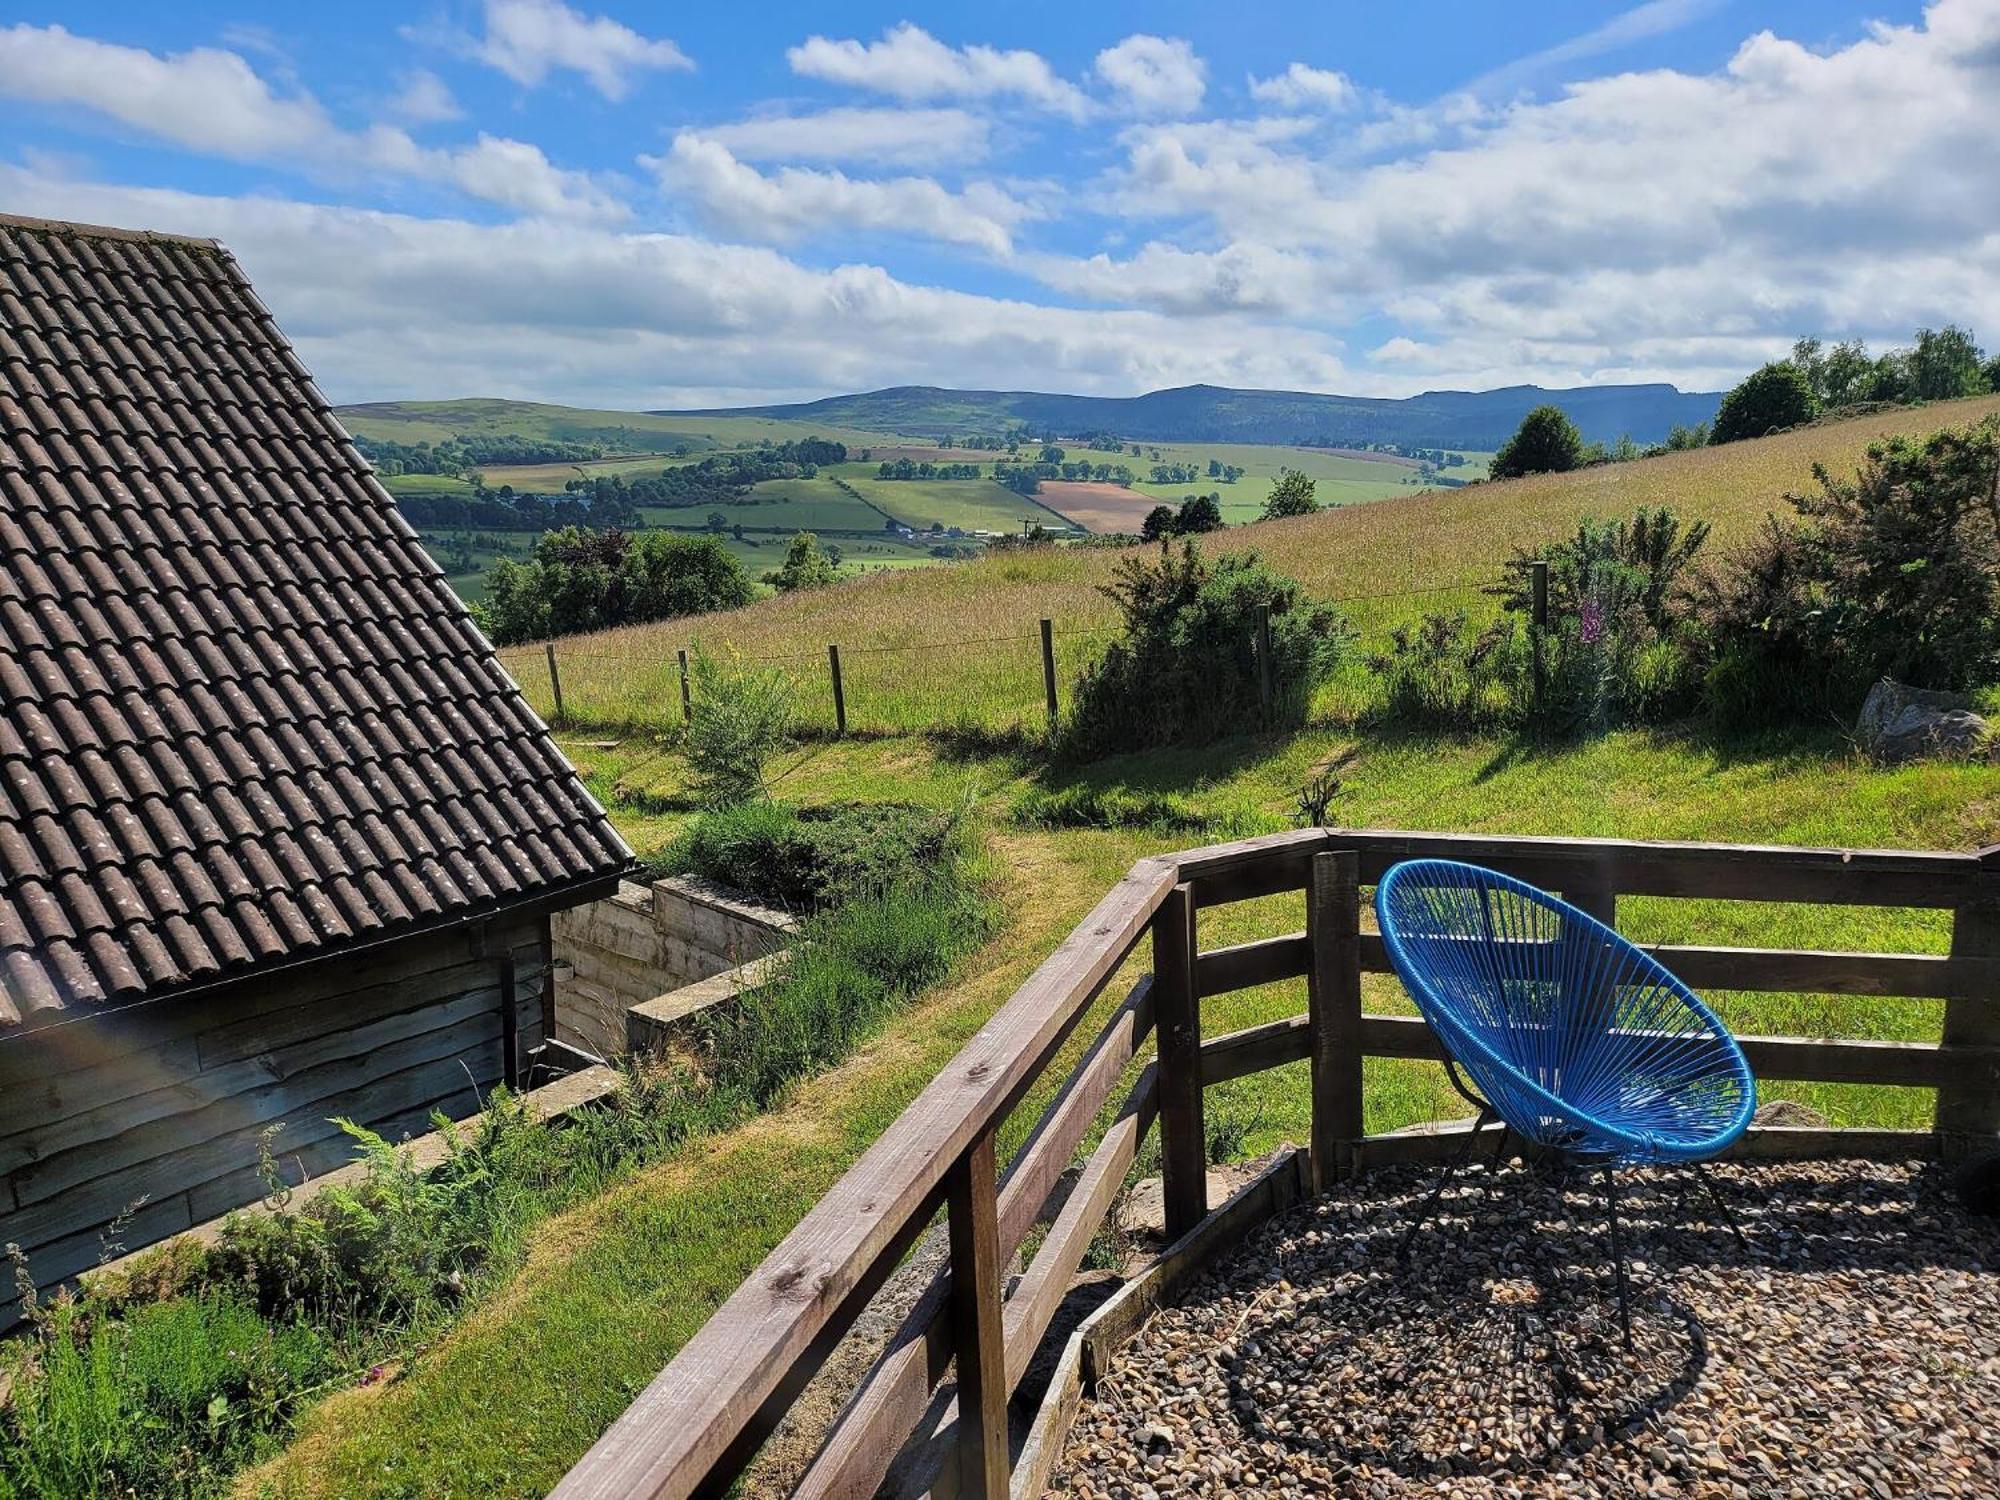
(1266, 690)
(839, 696)
(555, 681)
(1049, 669)
(687, 697)
(1538, 571)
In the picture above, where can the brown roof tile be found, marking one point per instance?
(245, 718)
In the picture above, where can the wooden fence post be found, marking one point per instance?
(1333, 1002)
(1538, 572)
(1177, 1017)
(1266, 688)
(555, 681)
(839, 696)
(978, 1333)
(1968, 1112)
(687, 698)
(1049, 669)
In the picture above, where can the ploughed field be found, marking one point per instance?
(1849, 1351)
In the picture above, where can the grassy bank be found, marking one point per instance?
(935, 646)
(607, 1292)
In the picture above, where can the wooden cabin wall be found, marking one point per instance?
(156, 1114)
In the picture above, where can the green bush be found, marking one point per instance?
(1896, 573)
(1107, 808)
(1623, 642)
(739, 717)
(1439, 674)
(1186, 670)
(808, 857)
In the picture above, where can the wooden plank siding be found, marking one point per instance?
(157, 1112)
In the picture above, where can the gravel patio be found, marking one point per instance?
(1854, 1350)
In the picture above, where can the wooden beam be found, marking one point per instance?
(729, 1382)
(1183, 1135)
(1730, 872)
(893, 1395)
(1802, 971)
(1038, 1294)
(1968, 1111)
(1333, 998)
(977, 1337)
(1429, 1144)
(1243, 966)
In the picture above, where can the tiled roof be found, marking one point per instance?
(246, 721)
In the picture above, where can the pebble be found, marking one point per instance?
(1850, 1352)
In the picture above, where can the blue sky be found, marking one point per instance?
(646, 206)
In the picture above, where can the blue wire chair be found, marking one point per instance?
(1578, 1042)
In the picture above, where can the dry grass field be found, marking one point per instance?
(930, 646)
(1102, 508)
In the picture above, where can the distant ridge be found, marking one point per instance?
(1479, 420)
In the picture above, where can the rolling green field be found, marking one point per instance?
(632, 432)
(1339, 479)
(970, 504)
(427, 484)
(797, 504)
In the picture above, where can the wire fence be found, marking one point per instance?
(993, 685)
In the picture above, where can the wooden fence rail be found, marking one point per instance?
(701, 1420)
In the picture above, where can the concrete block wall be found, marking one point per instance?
(646, 942)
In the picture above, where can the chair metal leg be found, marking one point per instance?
(1721, 1203)
(1437, 1188)
(1617, 1252)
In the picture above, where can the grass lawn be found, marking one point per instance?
(502, 1404)
(969, 504)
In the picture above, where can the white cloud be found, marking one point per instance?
(1302, 87)
(529, 39)
(205, 99)
(909, 63)
(423, 99)
(796, 201)
(1653, 18)
(1643, 225)
(1154, 75)
(881, 137)
(214, 102)
(386, 305)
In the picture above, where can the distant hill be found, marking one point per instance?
(1476, 420)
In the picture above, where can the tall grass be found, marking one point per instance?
(929, 646)
(197, 1361)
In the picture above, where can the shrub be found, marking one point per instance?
(1896, 572)
(1109, 807)
(1778, 396)
(1438, 674)
(740, 717)
(1185, 671)
(1546, 442)
(809, 857)
(1622, 643)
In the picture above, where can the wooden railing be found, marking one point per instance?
(692, 1431)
